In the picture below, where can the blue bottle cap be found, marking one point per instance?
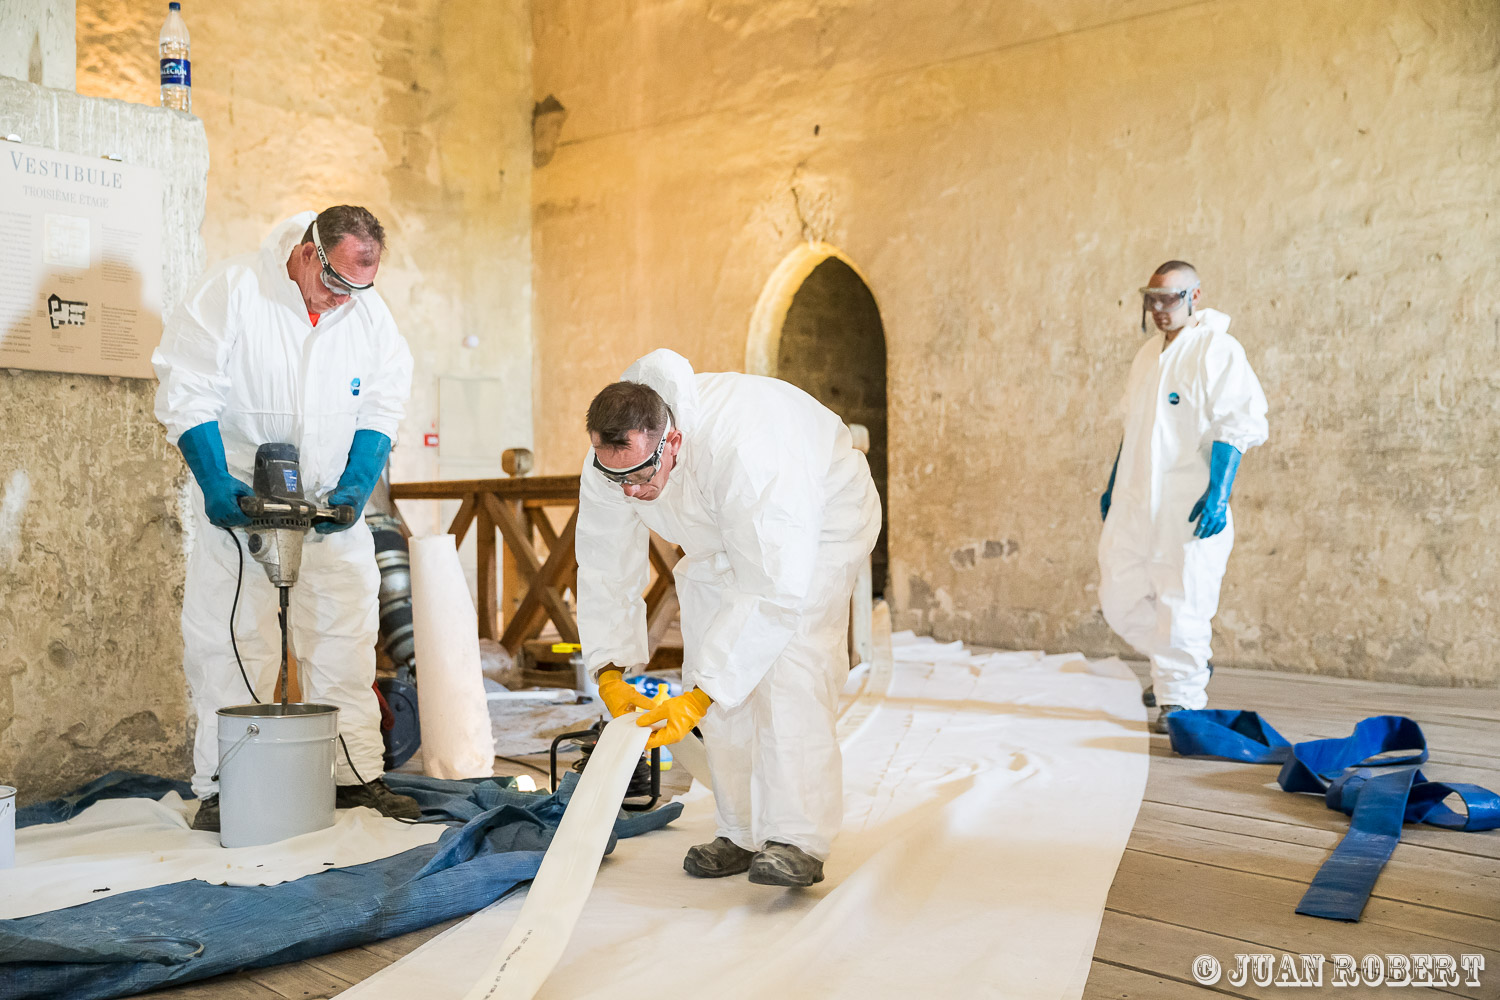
(174, 5)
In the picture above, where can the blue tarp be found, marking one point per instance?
(170, 934)
(1370, 774)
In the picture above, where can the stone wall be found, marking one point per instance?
(91, 541)
(1006, 175)
(36, 42)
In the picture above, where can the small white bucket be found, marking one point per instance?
(275, 772)
(7, 827)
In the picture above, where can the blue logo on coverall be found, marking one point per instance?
(354, 386)
(1172, 397)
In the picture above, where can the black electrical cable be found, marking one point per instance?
(517, 760)
(234, 610)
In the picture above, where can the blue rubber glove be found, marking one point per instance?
(367, 457)
(1104, 500)
(203, 449)
(1223, 463)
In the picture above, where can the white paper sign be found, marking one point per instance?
(80, 263)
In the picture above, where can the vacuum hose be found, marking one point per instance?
(394, 559)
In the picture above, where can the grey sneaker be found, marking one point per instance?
(1160, 725)
(378, 796)
(783, 864)
(719, 859)
(208, 815)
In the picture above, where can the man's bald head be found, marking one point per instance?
(1176, 268)
(1171, 311)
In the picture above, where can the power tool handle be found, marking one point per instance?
(342, 514)
(252, 506)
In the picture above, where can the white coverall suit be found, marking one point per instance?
(1159, 585)
(776, 512)
(240, 349)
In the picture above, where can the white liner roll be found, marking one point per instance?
(451, 704)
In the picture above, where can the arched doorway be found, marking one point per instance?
(818, 326)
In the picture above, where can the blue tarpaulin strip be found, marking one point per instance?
(170, 934)
(1372, 775)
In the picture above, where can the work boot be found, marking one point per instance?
(1160, 725)
(378, 796)
(783, 864)
(1148, 696)
(721, 858)
(208, 814)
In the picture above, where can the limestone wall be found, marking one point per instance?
(36, 42)
(1006, 175)
(91, 541)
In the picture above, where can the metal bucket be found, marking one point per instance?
(275, 771)
(7, 827)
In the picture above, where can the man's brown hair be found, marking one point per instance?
(624, 407)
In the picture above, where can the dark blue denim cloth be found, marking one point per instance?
(114, 785)
(177, 933)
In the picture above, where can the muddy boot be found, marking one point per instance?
(719, 859)
(378, 796)
(208, 815)
(783, 864)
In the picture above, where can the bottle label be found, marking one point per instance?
(176, 73)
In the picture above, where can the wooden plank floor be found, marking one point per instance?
(1215, 866)
(1220, 855)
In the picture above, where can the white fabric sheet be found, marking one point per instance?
(453, 710)
(987, 803)
(120, 845)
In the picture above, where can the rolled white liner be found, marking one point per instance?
(452, 708)
(562, 884)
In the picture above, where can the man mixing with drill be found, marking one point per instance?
(290, 344)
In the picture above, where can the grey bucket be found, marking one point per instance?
(275, 771)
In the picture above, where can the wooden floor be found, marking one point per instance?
(1220, 855)
(1216, 864)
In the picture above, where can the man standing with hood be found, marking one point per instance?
(1192, 407)
(292, 345)
(776, 512)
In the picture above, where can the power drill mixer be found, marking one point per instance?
(280, 518)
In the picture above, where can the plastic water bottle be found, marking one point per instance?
(176, 67)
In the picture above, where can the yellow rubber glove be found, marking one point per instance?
(680, 714)
(620, 697)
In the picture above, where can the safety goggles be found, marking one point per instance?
(638, 475)
(332, 280)
(1164, 299)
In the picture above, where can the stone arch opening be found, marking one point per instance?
(818, 326)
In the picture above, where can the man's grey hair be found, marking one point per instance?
(353, 222)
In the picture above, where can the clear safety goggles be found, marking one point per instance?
(1164, 299)
(332, 280)
(638, 475)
